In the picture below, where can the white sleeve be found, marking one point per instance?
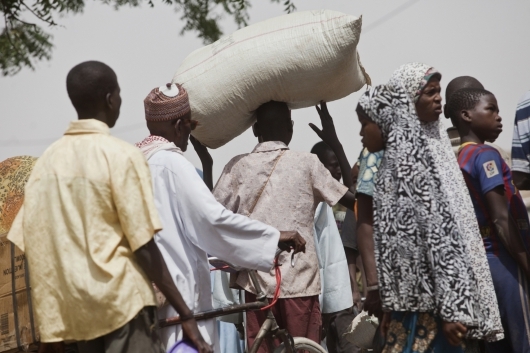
(210, 226)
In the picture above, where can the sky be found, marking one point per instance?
(487, 39)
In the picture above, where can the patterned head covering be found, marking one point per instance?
(166, 103)
(366, 98)
(14, 173)
(427, 259)
(422, 262)
(413, 77)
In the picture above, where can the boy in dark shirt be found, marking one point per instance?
(500, 212)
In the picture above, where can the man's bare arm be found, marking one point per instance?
(152, 262)
(506, 227)
(206, 161)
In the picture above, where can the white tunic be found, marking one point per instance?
(194, 225)
(336, 289)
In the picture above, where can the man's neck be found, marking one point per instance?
(262, 140)
(99, 116)
(471, 137)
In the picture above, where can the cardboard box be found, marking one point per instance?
(18, 327)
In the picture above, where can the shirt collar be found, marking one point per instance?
(87, 126)
(270, 146)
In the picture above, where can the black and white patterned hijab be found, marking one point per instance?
(420, 253)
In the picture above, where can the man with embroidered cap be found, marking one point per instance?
(87, 225)
(195, 224)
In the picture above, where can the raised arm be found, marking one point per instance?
(206, 161)
(328, 134)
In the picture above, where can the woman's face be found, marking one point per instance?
(372, 137)
(429, 105)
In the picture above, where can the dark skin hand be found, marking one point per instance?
(206, 160)
(454, 332)
(507, 228)
(329, 136)
(521, 180)
(365, 241)
(291, 240)
(152, 262)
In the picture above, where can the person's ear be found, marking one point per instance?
(178, 128)
(446, 113)
(255, 130)
(109, 100)
(466, 115)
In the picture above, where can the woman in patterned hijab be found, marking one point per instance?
(428, 276)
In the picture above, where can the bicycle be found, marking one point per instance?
(270, 328)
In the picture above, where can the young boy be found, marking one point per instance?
(500, 212)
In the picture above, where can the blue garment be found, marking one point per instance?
(521, 136)
(229, 338)
(368, 165)
(484, 169)
(229, 341)
(414, 332)
(512, 292)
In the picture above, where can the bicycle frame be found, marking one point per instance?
(269, 327)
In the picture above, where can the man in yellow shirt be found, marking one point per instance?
(87, 227)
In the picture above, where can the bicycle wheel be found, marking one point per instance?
(302, 344)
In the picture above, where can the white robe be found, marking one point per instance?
(194, 225)
(336, 292)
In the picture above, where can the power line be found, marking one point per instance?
(389, 16)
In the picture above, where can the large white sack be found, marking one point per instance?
(300, 58)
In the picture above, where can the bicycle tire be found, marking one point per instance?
(302, 344)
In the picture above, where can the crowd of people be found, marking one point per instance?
(433, 218)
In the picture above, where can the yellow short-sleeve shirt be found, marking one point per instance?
(88, 206)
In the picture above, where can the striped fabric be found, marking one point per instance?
(521, 136)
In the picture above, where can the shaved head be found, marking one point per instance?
(460, 83)
(274, 114)
(88, 85)
(456, 84)
(274, 122)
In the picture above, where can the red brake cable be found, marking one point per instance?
(278, 273)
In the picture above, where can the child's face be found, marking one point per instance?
(429, 105)
(485, 118)
(332, 164)
(372, 138)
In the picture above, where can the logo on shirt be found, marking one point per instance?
(491, 169)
